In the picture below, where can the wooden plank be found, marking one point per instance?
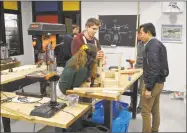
(100, 71)
(95, 89)
(61, 119)
(123, 81)
(9, 65)
(131, 71)
(119, 69)
(98, 95)
(126, 83)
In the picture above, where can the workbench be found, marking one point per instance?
(108, 98)
(19, 73)
(11, 81)
(62, 120)
(9, 65)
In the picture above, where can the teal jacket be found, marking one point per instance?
(70, 78)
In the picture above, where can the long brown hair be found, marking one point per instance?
(80, 60)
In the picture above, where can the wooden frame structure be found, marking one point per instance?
(115, 78)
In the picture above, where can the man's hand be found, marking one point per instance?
(100, 54)
(148, 94)
(89, 79)
(104, 60)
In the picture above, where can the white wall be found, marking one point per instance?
(28, 57)
(150, 12)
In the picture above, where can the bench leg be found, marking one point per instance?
(134, 97)
(58, 129)
(108, 114)
(43, 86)
(6, 124)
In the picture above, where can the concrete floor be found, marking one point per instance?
(173, 116)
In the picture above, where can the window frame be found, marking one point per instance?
(60, 13)
(2, 27)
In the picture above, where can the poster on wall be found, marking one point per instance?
(171, 33)
(175, 7)
(118, 30)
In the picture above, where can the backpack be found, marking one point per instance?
(63, 49)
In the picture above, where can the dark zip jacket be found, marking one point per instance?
(152, 64)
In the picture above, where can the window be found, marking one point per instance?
(12, 33)
(12, 27)
(47, 18)
(46, 6)
(71, 14)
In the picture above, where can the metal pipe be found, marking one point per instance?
(137, 25)
(53, 91)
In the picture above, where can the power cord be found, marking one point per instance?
(69, 113)
(25, 100)
(4, 95)
(8, 99)
(62, 99)
(21, 88)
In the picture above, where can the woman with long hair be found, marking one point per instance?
(78, 69)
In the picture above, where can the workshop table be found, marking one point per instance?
(108, 98)
(61, 120)
(9, 65)
(19, 73)
(11, 81)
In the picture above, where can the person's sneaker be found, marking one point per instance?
(138, 110)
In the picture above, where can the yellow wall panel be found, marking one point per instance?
(70, 5)
(12, 5)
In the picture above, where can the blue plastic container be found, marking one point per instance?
(120, 124)
(98, 116)
(116, 105)
(119, 108)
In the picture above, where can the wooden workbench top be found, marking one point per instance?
(19, 73)
(97, 92)
(9, 65)
(61, 119)
(98, 95)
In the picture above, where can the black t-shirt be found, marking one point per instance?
(91, 41)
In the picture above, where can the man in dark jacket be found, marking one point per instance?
(63, 52)
(153, 79)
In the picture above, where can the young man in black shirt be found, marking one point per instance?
(138, 65)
